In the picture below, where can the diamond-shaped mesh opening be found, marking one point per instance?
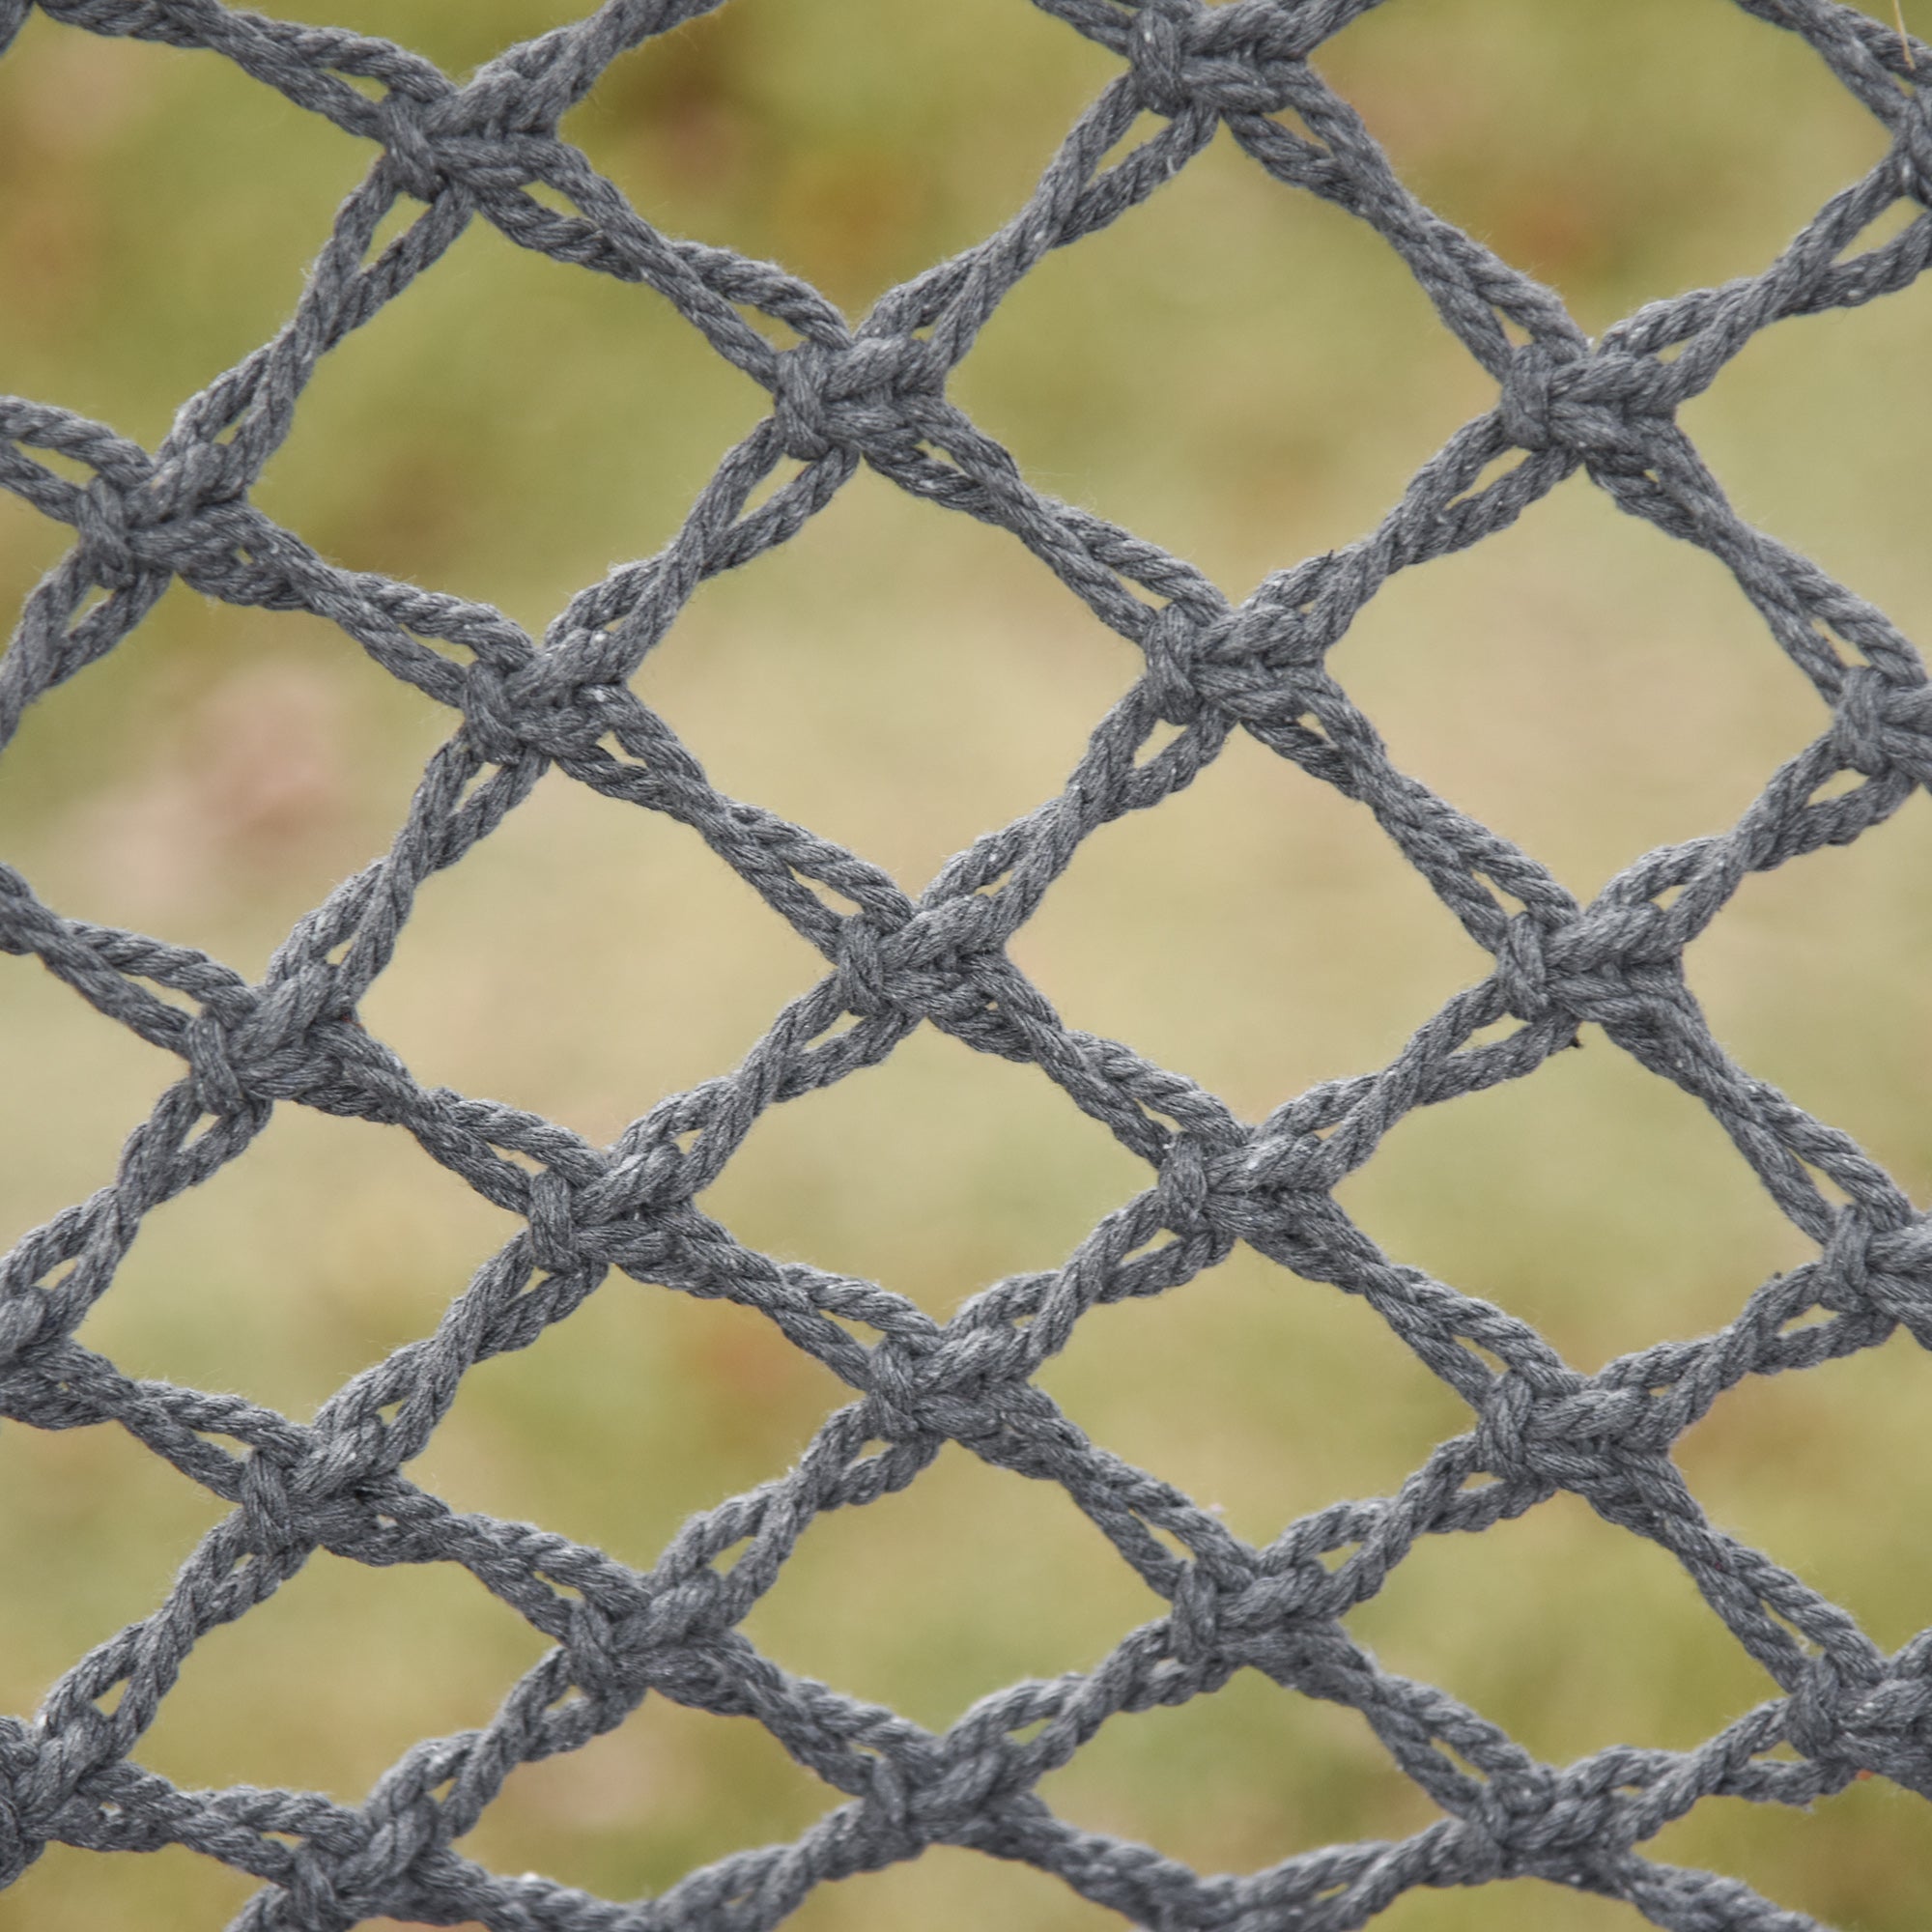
(571, 877)
(1358, 956)
(1871, 1876)
(215, 1293)
(1000, 1580)
(1133, 1591)
(1843, 1422)
(889, 727)
(709, 1398)
(246, 802)
(102, 1568)
(638, 405)
(239, 763)
(1848, 1863)
(58, 1055)
(1593, 1202)
(155, 300)
(1604, 135)
(1504, 1905)
(670, 1791)
(456, 41)
(782, 132)
(1561, 1622)
(70, 1891)
(1220, 440)
(853, 1178)
(1266, 1350)
(952, 1890)
(1767, 432)
(1633, 700)
(1241, 1780)
(1824, 1022)
(445, 1651)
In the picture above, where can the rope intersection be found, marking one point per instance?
(876, 393)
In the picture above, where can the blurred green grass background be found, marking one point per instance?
(1245, 376)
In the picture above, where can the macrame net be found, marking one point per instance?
(877, 394)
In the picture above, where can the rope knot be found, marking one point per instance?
(1523, 970)
(1502, 1433)
(1195, 1637)
(1872, 709)
(1172, 642)
(412, 163)
(12, 17)
(826, 398)
(492, 718)
(217, 1085)
(1857, 721)
(1598, 964)
(20, 1846)
(1159, 47)
(923, 1384)
(1527, 393)
(1885, 1725)
(1899, 1278)
(1821, 1711)
(29, 1322)
(1845, 1264)
(865, 979)
(1237, 59)
(1913, 150)
(1183, 1188)
(1533, 1815)
(552, 1220)
(102, 522)
(269, 1511)
(800, 401)
(1594, 405)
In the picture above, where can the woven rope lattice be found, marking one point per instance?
(877, 394)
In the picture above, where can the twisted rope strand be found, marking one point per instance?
(874, 392)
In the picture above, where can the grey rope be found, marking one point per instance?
(877, 394)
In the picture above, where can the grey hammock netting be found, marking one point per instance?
(876, 394)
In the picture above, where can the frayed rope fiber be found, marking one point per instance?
(877, 394)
